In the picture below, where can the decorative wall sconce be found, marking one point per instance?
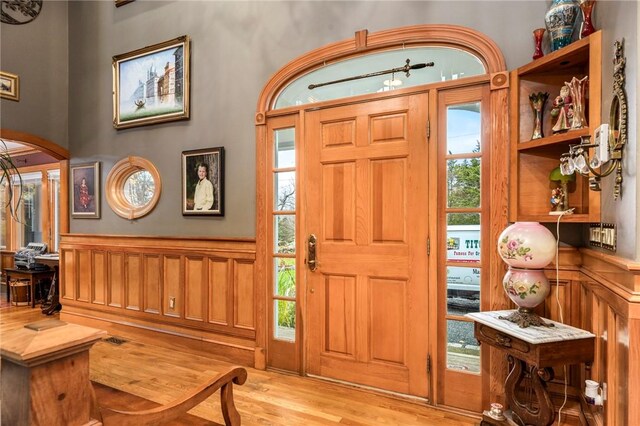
(610, 140)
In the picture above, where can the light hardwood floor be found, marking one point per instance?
(267, 398)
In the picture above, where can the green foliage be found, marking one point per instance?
(286, 286)
(463, 188)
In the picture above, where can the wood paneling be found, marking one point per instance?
(243, 294)
(115, 289)
(339, 315)
(388, 317)
(195, 288)
(339, 134)
(199, 292)
(339, 200)
(133, 284)
(152, 283)
(99, 277)
(172, 285)
(389, 201)
(84, 283)
(218, 292)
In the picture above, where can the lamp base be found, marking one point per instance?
(524, 317)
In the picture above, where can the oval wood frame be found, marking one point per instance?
(118, 175)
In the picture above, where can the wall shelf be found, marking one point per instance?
(533, 160)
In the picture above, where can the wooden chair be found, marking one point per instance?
(165, 413)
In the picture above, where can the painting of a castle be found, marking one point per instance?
(151, 86)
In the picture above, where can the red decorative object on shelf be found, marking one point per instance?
(537, 36)
(587, 9)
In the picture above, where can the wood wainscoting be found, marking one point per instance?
(195, 293)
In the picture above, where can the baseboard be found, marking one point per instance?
(186, 340)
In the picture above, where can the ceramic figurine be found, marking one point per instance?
(562, 111)
(557, 199)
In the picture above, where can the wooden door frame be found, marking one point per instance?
(361, 44)
(55, 151)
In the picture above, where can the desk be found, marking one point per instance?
(532, 351)
(32, 276)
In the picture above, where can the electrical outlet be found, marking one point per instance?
(172, 302)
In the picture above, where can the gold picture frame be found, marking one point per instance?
(9, 86)
(151, 84)
(85, 190)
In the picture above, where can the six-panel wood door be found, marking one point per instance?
(366, 201)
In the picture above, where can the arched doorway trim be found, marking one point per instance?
(56, 151)
(43, 145)
(443, 35)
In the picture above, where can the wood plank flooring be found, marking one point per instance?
(267, 398)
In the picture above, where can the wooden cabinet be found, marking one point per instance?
(533, 160)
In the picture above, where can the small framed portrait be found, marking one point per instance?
(9, 86)
(85, 183)
(151, 85)
(203, 182)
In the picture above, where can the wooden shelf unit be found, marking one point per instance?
(533, 160)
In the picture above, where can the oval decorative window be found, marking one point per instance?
(133, 187)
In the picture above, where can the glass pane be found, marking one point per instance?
(139, 188)
(54, 204)
(463, 350)
(463, 241)
(30, 228)
(449, 64)
(285, 277)
(463, 128)
(285, 196)
(284, 314)
(463, 290)
(463, 183)
(285, 148)
(284, 234)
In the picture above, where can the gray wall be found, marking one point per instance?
(236, 47)
(621, 22)
(38, 52)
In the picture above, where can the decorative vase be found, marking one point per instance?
(527, 245)
(537, 37)
(537, 101)
(560, 20)
(527, 288)
(587, 9)
(578, 88)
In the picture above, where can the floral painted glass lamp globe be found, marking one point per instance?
(527, 247)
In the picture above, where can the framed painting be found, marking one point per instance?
(9, 86)
(203, 182)
(85, 181)
(151, 85)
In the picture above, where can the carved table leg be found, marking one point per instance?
(538, 410)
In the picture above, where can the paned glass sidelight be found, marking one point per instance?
(284, 235)
(463, 161)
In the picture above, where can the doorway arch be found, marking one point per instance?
(55, 151)
(269, 120)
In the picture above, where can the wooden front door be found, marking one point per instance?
(366, 202)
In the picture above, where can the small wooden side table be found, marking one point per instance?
(532, 351)
(45, 374)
